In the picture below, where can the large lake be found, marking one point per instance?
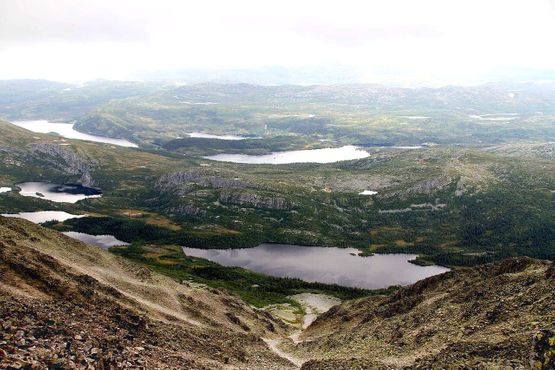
(340, 266)
(327, 155)
(66, 130)
(57, 192)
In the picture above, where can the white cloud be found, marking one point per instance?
(400, 41)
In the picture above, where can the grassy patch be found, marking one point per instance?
(257, 289)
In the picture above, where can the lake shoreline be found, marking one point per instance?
(327, 265)
(68, 131)
(59, 193)
(322, 155)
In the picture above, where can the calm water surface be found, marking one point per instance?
(43, 216)
(327, 155)
(203, 135)
(66, 130)
(102, 241)
(340, 266)
(55, 192)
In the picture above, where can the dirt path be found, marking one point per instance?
(313, 306)
(273, 344)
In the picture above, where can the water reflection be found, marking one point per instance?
(327, 155)
(60, 193)
(102, 241)
(340, 266)
(43, 216)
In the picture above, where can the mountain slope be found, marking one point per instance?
(451, 205)
(482, 317)
(68, 304)
(355, 114)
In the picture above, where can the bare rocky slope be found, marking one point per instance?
(486, 317)
(66, 304)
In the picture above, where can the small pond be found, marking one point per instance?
(60, 193)
(43, 216)
(102, 241)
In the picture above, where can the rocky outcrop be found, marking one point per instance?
(9, 150)
(415, 207)
(430, 186)
(492, 316)
(67, 305)
(543, 356)
(186, 210)
(65, 160)
(256, 200)
(185, 181)
(61, 159)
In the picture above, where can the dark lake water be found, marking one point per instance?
(61, 193)
(325, 265)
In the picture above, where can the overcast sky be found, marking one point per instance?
(401, 41)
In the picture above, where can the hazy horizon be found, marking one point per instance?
(401, 43)
(228, 79)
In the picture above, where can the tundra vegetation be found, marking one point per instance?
(464, 176)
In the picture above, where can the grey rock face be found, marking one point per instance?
(9, 150)
(256, 200)
(187, 210)
(11, 157)
(431, 186)
(65, 160)
(183, 182)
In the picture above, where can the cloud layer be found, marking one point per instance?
(399, 41)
